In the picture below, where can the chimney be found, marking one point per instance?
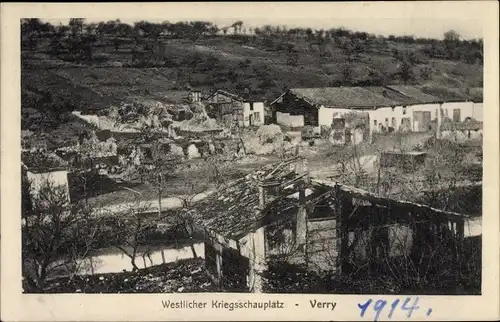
(301, 229)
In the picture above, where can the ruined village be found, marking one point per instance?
(190, 157)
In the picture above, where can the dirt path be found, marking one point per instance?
(152, 205)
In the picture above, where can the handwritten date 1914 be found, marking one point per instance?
(379, 305)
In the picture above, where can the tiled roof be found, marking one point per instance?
(236, 97)
(415, 93)
(233, 211)
(39, 162)
(376, 199)
(343, 97)
(392, 94)
(384, 96)
(456, 94)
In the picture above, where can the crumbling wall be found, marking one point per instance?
(322, 250)
(289, 120)
(199, 122)
(462, 135)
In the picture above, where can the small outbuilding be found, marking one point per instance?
(278, 214)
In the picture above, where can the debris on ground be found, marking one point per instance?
(187, 276)
(200, 121)
(267, 140)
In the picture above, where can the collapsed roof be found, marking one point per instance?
(234, 211)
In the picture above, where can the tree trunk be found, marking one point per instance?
(192, 245)
(163, 256)
(194, 251)
(132, 258)
(159, 194)
(134, 266)
(150, 259)
(42, 275)
(92, 265)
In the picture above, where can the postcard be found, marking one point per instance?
(250, 161)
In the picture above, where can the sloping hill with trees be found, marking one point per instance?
(93, 65)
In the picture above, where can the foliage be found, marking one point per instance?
(406, 72)
(303, 58)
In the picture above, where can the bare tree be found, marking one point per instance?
(214, 168)
(185, 219)
(433, 182)
(158, 166)
(55, 233)
(351, 166)
(132, 228)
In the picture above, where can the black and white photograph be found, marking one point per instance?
(247, 155)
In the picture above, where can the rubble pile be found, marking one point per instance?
(200, 121)
(267, 140)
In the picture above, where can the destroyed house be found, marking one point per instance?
(230, 108)
(238, 217)
(316, 107)
(391, 108)
(279, 214)
(375, 234)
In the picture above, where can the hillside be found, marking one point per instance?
(148, 68)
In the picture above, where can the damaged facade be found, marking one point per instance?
(229, 108)
(280, 214)
(389, 108)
